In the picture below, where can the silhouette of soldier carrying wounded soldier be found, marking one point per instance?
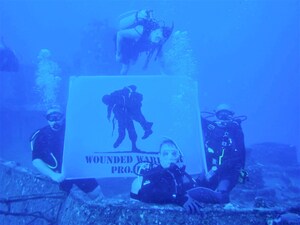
(126, 106)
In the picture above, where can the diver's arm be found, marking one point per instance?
(43, 168)
(241, 147)
(136, 185)
(211, 173)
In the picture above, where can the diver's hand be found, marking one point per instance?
(57, 177)
(191, 205)
(210, 174)
(144, 15)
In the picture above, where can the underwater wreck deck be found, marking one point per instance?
(28, 198)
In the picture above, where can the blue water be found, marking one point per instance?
(247, 55)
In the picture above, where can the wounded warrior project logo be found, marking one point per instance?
(124, 106)
(124, 163)
(113, 126)
(124, 111)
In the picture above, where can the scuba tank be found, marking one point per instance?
(133, 18)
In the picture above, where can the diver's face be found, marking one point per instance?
(55, 121)
(168, 154)
(156, 36)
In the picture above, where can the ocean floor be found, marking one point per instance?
(270, 196)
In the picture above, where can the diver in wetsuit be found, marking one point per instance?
(47, 154)
(138, 33)
(166, 183)
(225, 156)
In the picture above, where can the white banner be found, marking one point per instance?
(113, 123)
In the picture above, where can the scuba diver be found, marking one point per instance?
(166, 182)
(139, 32)
(47, 146)
(225, 156)
(8, 59)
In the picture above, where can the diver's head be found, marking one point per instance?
(156, 36)
(169, 153)
(160, 34)
(55, 118)
(224, 112)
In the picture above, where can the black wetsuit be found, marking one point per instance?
(48, 147)
(164, 186)
(225, 151)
